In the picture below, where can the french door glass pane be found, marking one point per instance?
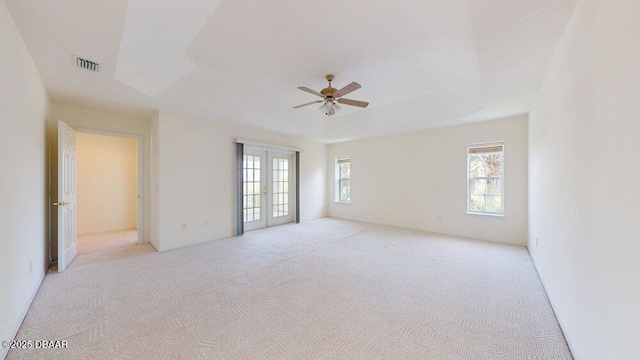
(251, 188)
(280, 206)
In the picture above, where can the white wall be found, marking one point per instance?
(196, 177)
(23, 239)
(96, 119)
(418, 181)
(154, 182)
(107, 183)
(584, 180)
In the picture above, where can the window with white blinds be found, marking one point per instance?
(485, 179)
(343, 179)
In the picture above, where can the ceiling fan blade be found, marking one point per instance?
(362, 104)
(307, 104)
(304, 88)
(347, 89)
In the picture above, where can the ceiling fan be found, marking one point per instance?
(330, 96)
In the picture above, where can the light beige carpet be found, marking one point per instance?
(321, 289)
(106, 240)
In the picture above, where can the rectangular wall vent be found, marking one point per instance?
(86, 64)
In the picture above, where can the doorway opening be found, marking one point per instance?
(108, 189)
(268, 187)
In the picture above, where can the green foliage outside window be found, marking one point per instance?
(485, 182)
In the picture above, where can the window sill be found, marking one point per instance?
(343, 202)
(485, 214)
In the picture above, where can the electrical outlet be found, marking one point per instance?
(439, 217)
(30, 266)
(536, 241)
(183, 227)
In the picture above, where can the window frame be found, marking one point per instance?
(338, 178)
(502, 177)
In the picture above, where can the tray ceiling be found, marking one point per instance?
(420, 63)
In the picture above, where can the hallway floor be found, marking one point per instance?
(107, 240)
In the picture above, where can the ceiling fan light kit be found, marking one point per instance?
(329, 108)
(330, 96)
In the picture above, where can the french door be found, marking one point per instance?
(268, 188)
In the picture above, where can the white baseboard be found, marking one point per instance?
(105, 231)
(440, 232)
(553, 306)
(474, 237)
(18, 323)
(190, 243)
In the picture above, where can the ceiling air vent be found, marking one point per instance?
(86, 64)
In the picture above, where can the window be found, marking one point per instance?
(343, 180)
(485, 179)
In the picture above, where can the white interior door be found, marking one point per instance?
(67, 245)
(280, 188)
(254, 189)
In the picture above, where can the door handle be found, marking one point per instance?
(62, 203)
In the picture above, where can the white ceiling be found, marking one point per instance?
(421, 63)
